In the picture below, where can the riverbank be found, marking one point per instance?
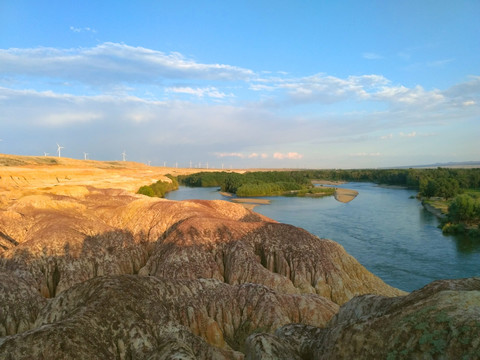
(435, 209)
(328, 182)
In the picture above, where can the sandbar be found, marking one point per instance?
(345, 195)
(251, 203)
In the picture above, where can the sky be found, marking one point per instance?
(242, 84)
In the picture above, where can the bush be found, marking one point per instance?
(146, 190)
(160, 188)
(464, 208)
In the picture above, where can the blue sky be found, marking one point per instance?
(318, 84)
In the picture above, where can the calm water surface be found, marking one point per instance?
(383, 228)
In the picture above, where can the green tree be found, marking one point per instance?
(463, 208)
(146, 190)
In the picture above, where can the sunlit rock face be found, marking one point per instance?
(103, 273)
(59, 241)
(439, 321)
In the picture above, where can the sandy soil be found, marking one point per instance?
(29, 175)
(345, 195)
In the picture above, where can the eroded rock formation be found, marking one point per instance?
(128, 275)
(127, 316)
(91, 272)
(58, 241)
(439, 321)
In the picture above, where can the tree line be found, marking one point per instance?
(439, 182)
(259, 183)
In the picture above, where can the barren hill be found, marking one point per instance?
(27, 175)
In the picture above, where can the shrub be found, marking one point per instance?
(160, 188)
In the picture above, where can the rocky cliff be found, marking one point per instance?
(97, 272)
(439, 321)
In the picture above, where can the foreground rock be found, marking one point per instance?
(439, 321)
(140, 317)
(20, 304)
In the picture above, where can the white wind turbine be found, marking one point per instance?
(45, 153)
(59, 148)
(124, 154)
(85, 155)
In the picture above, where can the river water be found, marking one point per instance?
(386, 230)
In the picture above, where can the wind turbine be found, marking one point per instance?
(85, 155)
(149, 162)
(58, 150)
(124, 154)
(45, 153)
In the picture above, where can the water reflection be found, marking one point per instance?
(466, 245)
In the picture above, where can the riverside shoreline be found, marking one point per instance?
(433, 210)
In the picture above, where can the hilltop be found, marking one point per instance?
(27, 175)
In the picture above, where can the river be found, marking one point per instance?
(386, 230)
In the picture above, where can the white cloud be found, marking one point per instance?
(212, 92)
(262, 87)
(371, 56)
(290, 155)
(254, 155)
(109, 63)
(65, 118)
(439, 63)
(231, 154)
(401, 95)
(410, 135)
(80, 30)
(386, 137)
(323, 89)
